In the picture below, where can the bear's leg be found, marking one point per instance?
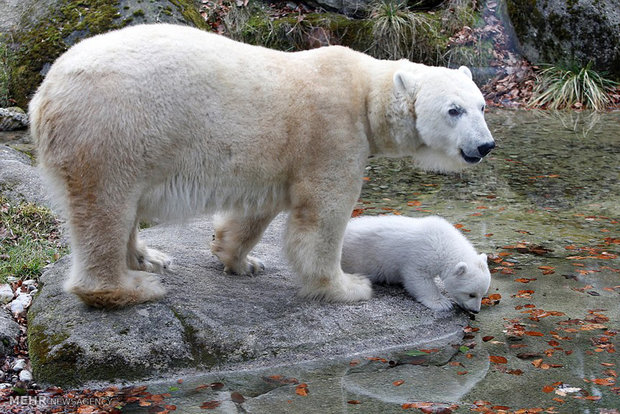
(314, 244)
(141, 257)
(235, 236)
(425, 291)
(99, 238)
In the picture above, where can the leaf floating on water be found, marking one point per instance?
(354, 402)
(302, 389)
(398, 383)
(236, 397)
(497, 359)
(210, 405)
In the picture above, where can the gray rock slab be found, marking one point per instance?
(9, 331)
(20, 181)
(211, 321)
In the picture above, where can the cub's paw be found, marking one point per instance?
(437, 304)
(250, 266)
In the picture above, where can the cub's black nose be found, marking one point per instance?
(484, 149)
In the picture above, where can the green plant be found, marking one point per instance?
(397, 31)
(563, 87)
(456, 14)
(29, 239)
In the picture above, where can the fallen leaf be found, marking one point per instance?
(236, 397)
(302, 389)
(548, 388)
(354, 402)
(398, 383)
(498, 359)
(210, 405)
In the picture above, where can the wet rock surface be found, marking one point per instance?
(213, 321)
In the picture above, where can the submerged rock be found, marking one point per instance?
(211, 321)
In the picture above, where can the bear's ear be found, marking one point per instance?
(483, 261)
(405, 82)
(460, 269)
(466, 71)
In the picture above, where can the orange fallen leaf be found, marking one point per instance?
(302, 389)
(498, 359)
(354, 402)
(398, 383)
(548, 388)
(534, 333)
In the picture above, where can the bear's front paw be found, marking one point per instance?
(250, 266)
(437, 304)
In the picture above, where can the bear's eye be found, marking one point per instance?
(454, 112)
(482, 109)
(472, 295)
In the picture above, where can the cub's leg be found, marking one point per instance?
(100, 235)
(314, 243)
(235, 236)
(141, 257)
(424, 290)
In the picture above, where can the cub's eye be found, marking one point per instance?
(454, 112)
(482, 109)
(472, 295)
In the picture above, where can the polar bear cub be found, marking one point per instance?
(413, 251)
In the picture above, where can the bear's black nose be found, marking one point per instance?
(484, 149)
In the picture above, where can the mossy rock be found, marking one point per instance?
(573, 31)
(52, 26)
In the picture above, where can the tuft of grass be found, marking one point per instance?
(559, 87)
(396, 31)
(29, 240)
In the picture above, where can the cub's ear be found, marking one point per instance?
(483, 258)
(405, 82)
(466, 71)
(460, 269)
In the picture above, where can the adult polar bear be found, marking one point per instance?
(163, 121)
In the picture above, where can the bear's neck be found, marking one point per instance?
(390, 133)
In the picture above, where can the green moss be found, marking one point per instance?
(190, 13)
(69, 22)
(51, 37)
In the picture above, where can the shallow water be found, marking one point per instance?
(545, 207)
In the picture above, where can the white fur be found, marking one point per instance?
(413, 251)
(164, 121)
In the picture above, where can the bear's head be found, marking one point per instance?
(469, 282)
(447, 107)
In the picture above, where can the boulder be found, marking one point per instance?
(9, 332)
(13, 119)
(37, 32)
(20, 181)
(211, 321)
(556, 31)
